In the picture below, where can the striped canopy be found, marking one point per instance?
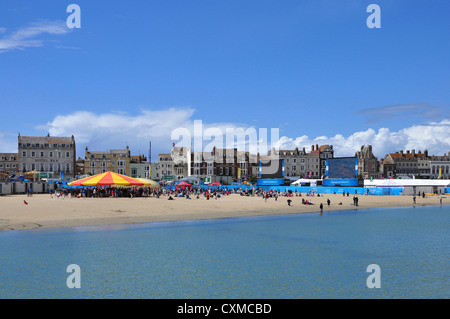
(149, 182)
(105, 179)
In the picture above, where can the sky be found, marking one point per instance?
(136, 71)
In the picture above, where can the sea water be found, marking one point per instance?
(283, 256)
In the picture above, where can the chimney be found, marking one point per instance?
(407, 152)
(420, 152)
(317, 147)
(173, 144)
(401, 152)
(413, 152)
(312, 147)
(304, 151)
(362, 147)
(370, 148)
(425, 153)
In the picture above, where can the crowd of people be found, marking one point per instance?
(193, 192)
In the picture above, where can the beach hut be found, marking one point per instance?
(107, 179)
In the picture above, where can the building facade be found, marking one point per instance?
(406, 164)
(440, 166)
(368, 165)
(9, 163)
(48, 156)
(115, 160)
(139, 167)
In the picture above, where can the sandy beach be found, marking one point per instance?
(43, 211)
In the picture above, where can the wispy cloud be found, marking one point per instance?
(30, 36)
(422, 110)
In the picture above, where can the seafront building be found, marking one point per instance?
(223, 165)
(48, 156)
(440, 166)
(368, 164)
(300, 164)
(9, 163)
(406, 164)
(139, 167)
(115, 160)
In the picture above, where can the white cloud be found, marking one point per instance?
(435, 137)
(117, 129)
(29, 36)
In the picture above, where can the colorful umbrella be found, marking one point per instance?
(108, 178)
(184, 184)
(215, 184)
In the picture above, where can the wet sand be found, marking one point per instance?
(43, 211)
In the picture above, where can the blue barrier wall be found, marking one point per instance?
(317, 189)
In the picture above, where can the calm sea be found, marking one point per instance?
(287, 256)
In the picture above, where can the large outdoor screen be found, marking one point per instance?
(272, 169)
(342, 167)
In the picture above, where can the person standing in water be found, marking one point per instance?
(321, 208)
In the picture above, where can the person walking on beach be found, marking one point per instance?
(328, 201)
(356, 200)
(321, 208)
(414, 199)
(289, 202)
(440, 201)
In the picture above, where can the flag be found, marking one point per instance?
(310, 174)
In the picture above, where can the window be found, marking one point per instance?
(67, 154)
(33, 154)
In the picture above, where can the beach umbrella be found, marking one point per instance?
(107, 179)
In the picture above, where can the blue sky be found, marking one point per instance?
(313, 69)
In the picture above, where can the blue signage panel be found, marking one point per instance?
(340, 182)
(269, 181)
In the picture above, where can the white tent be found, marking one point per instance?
(407, 183)
(303, 181)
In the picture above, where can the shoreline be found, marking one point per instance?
(45, 212)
